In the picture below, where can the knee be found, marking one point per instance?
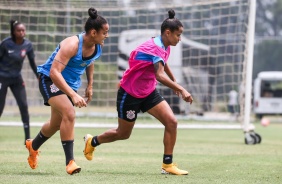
(172, 124)
(69, 115)
(125, 136)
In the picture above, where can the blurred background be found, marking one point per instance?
(209, 62)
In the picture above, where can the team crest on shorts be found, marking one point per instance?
(54, 88)
(130, 114)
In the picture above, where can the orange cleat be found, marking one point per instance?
(72, 168)
(88, 149)
(33, 154)
(172, 169)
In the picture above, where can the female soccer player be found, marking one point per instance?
(13, 51)
(59, 81)
(147, 65)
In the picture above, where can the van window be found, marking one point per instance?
(271, 88)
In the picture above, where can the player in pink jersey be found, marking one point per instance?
(147, 65)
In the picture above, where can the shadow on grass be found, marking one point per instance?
(36, 173)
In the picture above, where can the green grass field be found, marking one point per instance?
(210, 156)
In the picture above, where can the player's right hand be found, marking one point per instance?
(78, 101)
(187, 97)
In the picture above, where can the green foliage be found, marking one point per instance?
(268, 20)
(267, 56)
(268, 52)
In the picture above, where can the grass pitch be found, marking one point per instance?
(210, 156)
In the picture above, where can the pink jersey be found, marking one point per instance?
(139, 79)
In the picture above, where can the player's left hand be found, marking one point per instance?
(88, 94)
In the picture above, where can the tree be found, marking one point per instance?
(269, 18)
(268, 47)
(267, 56)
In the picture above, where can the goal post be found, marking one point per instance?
(213, 58)
(249, 67)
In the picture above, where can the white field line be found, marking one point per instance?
(103, 125)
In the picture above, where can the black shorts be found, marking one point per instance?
(48, 89)
(128, 106)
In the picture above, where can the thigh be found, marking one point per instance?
(125, 127)
(62, 105)
(19, 92)
(163, 113)
(4, 84)
(3, 92)
(56, 118)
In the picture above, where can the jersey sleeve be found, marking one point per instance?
(31, 56)
(147, 57)
(157, 59)
(30, 52)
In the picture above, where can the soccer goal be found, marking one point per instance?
(213, 61)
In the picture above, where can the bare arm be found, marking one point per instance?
(89, 88)
(169, 73)
(68, 48)
(163, 78)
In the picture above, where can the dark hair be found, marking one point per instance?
(13, 24)
(94, 21)
(171, 23)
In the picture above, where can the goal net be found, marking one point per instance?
(210, 61)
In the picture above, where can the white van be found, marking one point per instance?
(267, 94)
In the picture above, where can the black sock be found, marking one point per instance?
(167, 159)
(26, 130)
(95, 142)
(68, 149)
(38, 141)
